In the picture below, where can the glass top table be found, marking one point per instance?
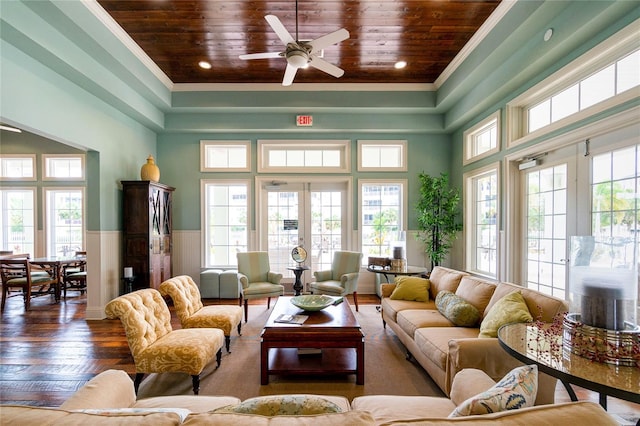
(542, 346)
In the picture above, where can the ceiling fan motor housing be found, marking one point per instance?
(297, 56)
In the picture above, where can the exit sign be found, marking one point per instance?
(304, 120)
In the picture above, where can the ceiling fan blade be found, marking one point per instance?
(289, 75)
(327, 40)
(325, 66)
(279, 29)
(265, 55)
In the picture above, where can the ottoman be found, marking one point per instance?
(229, 285)
(210, 284)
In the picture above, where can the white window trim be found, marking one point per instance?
(468, 138)
(45, 193)
(615, 47)
(203, 160)
(21, 179)
(402, 143)
(468, 192)
(344, 145)
(404, 206)
(45, 174)
(203, 215)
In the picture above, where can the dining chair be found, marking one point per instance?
(257, 281)
(193, 314)
(155, 346)
(18, 273)
(74, 275)
(342, 278)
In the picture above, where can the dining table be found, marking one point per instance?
(53, 266)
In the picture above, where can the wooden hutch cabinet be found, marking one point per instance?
(147, 231)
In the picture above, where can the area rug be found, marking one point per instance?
(387, 371)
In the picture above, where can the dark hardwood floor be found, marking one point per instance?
(49, 352)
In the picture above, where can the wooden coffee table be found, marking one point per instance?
(333, 330)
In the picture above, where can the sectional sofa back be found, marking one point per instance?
(442, 278)
(541, 306)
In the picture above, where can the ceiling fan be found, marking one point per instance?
(300, 54)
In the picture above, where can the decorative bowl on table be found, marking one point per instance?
(312, 302)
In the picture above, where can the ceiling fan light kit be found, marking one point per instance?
(300, 54)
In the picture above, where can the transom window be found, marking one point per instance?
(382, 155)
(17, 167)
(63, 167)
(225, 156)
(482, 139)
(312, 156)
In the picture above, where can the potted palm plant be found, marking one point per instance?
(437, 215)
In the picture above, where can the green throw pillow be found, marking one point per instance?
(456, 309)
(511, 308)
(279, 405)
(411, 288)
(518, 389)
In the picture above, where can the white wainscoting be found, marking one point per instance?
(104, 252)
(187, 254)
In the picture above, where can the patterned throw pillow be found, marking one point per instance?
(517, 389)
(411, 288)
(511, 308)
(282, 405)
(456, 309)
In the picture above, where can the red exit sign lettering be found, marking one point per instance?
(304, 120)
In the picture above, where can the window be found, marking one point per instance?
(599, 80)
(17, 218)
(225, 221)
(17, 167)
(63, 167)
(382, 216)
(64, 211)
(483, 139)
(225, 156)
(382, 156)
(481, 235)
(309, 156)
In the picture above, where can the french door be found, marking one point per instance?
(590, 188)
(312, 213)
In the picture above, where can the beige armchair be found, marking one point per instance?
(155, 346)
(256, 279)
(342, 278)
(193, 314)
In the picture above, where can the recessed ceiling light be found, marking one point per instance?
(204, 65)
(548, 34)
(400, 64)
(10, 129)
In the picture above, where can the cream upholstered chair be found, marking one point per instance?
(193, 314)
(342, 278)
(257, 281)
(155, 346)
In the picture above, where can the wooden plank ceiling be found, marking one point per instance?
(177, 34)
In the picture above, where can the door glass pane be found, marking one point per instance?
(64, 222)
(546, 229)
(282, 229)
(326, 227)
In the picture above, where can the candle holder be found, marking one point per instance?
(128, 279)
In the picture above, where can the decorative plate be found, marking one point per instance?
(312, 302)
(299, 254)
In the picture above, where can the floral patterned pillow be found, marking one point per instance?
(517, 389)
(291, 405)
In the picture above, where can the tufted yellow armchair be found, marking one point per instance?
(155, 346)
(193, 314)
(257, 280)
(342, 278)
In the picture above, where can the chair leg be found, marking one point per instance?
(5, 290)
(136, 382)
(268, 303)
(355, 299)
(27, 300)
(246, 311)
(227, 342)
(218, 357)
(195, 379)
(240, 329)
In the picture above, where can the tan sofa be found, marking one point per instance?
(113, 389)
(443, 349)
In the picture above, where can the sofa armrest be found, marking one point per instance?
(487, 355)
(323, 275)
(387, 289)
(109, 389)
(274, 277)
(243, 280)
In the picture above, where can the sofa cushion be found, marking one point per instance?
(386, 408)
(392, 307)
(410, 320)
(457, 310)
(411, 288)
(516, 390)
(444, 279)
(434, 341)
(195, 404)
(352, 418)
(476, 291)
(511, 308)
(39, 416)
(278, 405)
